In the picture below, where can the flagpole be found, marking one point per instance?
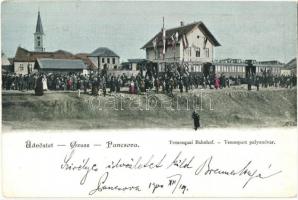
(163, 37)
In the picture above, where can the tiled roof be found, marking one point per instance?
(86, 60)
(103, 52)
(181, 31)
(136, 60)
(292, 64)
(25, 55)
(4, 60)
(47, 63)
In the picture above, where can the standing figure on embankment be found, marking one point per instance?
(196, 120)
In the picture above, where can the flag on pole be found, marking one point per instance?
(205, 42)
(154, 42)
(184, 41)
(164, 40)
(174, 39)
(163, 37)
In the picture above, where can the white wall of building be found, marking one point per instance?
(195, 40)
(22, 67)
(111, 62)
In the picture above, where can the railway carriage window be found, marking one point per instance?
(216, 68)
(198, 54)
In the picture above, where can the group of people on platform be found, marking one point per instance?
(165, 82)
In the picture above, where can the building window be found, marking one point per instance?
(103, 60)
(114, 60)
(108, 60)
(198, 52)
(38, 37)
(21, 67)
(207, 52)
(38, 43)
(115, 67)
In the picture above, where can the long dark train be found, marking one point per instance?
(236, 69)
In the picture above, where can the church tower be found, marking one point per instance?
(38, 35)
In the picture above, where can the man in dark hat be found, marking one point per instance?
(196, 119)
(39, 86)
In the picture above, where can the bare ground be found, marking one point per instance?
(234, 107)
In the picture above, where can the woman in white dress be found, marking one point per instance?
(44, 83)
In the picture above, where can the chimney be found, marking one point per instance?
(181, 23)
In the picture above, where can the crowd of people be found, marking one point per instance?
(159, 82)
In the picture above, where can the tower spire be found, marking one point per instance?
(39, 28)
(38, 35)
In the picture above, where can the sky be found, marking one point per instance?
(246, 30)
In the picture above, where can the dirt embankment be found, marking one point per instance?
(223, 108)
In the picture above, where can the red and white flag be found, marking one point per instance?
(164, 41)
(184, 41)
(154, 42)
(205, 42)
(174, 40)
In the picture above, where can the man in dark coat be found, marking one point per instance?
(39, 87)
(95, 87)
(196, 120)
